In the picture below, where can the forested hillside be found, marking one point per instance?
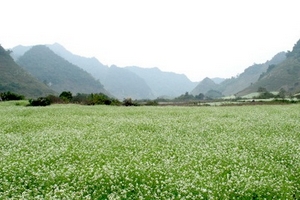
(284, 75)
(59, 74)
(91, 65)
(249, 76)
(15, 79)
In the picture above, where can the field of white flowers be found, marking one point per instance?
(106, 152)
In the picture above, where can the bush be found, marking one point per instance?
(41, 101)
(129, 102)
(54, 99)
(66, 96)
(151, 103)
(9, 96)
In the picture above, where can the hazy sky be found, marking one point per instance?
(213, 38)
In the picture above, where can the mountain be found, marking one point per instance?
(59, 74)
(204, 86)
(123, 83)
(156, 83)
(248, 77)
(164, 83)
(284, 75)
(15, 79)
(91, 65)
(120, 82)
(218, 80)
(19, 51)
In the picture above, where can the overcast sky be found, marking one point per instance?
(214, 38)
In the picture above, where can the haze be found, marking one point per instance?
(196, 38)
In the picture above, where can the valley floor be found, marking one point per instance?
(109, 152)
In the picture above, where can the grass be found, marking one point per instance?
(105, 152)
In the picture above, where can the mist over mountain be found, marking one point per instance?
(160, 83)
(15, 79)
(19, 51)
(59, 74)
(125, 84)
(120, 82)
(218, 80)
(164, 83)
(150, 83)
(91, 65)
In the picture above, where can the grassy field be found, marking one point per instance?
(106, 152)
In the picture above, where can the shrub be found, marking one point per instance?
(41, 101)
(66, 96)
(54, 99)
(129, 102)
(9, 96)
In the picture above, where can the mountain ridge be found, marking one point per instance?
(58, 73)
(15, 79)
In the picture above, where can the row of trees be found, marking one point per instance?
(210, 95)
(67, 97)
(79, 98)
(10, 96)
(265, 94)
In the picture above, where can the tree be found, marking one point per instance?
(9, 96)
(214, 94)
(129, 102)
(282, 93)
(200, 96)
(262, 89)
(66, 96)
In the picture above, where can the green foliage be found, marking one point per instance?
(129, 102)
(58, 73)
(200, 96)
(262, 89)
(185, 97)
(270, 68)
(295, 52)
(151, 103)
(15, 79)
(41, 101)
(282, 93)
(66, 96)
(9, 96)
(213, 94)
(264, 93)
(54, 99)
(99, 99)
(84, 99)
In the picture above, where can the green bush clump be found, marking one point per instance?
(10, 96)
(41, 101)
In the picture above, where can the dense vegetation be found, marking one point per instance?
(68, 151)
(10, 96)
(57, 73)
(284, 75)
(16, 80)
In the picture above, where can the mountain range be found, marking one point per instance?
(58, 69)
(134, 82)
